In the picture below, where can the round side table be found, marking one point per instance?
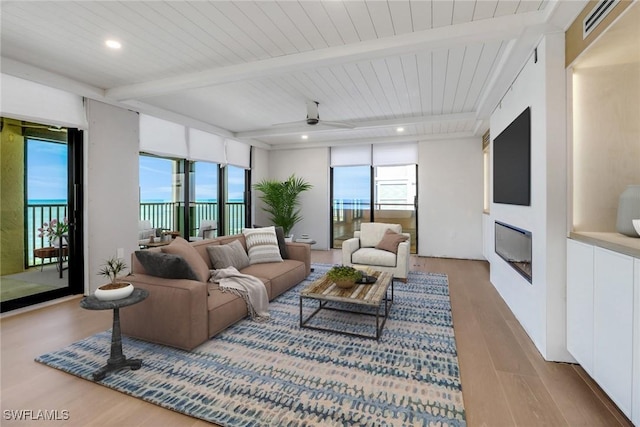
(116, 360)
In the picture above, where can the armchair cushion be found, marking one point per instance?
(372, 232)
(181, 247)
(390, 241)
(374, 257)
(168, 266)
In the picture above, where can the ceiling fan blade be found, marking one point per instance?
(344, 125)
(289, 124)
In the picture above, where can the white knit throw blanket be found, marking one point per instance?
(250, 288)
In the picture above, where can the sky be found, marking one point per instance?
(352, 183)
(156, 180)
(46, 170)
(47, 177)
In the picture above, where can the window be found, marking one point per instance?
(373, 183)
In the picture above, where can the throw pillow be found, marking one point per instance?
(262, 245)
(282, 245)
(180, 246)
(390, 241)
(230, 255)
(164, 265)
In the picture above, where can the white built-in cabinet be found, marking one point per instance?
(580, 303)
(603, 320)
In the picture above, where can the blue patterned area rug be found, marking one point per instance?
(276, 374)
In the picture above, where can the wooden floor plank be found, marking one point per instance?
(505, 381)
(530, 401)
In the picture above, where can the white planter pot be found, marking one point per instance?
(113, 294)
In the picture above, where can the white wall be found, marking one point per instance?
(450, 198)
(312, 165)
(111, 187)
(259, 171)
(539, 306)
(450, 184)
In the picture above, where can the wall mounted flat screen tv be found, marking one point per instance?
(512, 162)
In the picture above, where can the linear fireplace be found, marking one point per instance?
(513, 245)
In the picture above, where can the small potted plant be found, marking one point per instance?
(116, 289)
(344, 276)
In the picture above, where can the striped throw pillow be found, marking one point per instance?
(262, 245)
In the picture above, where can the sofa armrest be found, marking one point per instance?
(349, 246)
(174, 314)
(403, 256)
(300, 252)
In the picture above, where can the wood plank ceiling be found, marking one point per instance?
(431, 67)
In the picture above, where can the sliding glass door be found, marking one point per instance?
(161, 193)
(173, 200)
(374, 183)
(395, 195)
(350, 201)
(42, 213)
(203, 208)
(236, 181)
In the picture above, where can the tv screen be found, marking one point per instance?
(512, 162)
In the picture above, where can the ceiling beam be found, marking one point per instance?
(369, 124)
(377, 140)
(486, 30)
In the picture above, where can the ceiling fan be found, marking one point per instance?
(313, 118)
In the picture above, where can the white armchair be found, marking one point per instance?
(146, 231)
(207, 230)
(361, 251)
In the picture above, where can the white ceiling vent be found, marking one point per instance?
(599, 12)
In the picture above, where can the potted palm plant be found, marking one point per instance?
(117, 289)
(282, 200)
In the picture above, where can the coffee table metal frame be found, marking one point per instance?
(325, 292)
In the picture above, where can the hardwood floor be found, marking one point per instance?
(505, 381)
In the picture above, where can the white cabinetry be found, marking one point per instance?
(603, 312)
(613, 325)
(580, 303)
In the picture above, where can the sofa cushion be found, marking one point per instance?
(280, 275)
(231, 255)
(390, 241)
(180, 246)
(262, 245)
(373, 257)
(372, 232)
(168, 266)
(282, 245)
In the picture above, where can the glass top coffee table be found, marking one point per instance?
(363, 299)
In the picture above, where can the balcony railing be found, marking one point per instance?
(37, 215)
(166, 215)
(169, 215)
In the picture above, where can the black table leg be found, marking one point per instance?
(116, 360)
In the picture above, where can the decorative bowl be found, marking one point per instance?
(636, 225)
(345, 283)
(114, 291)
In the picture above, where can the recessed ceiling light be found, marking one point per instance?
(400, 129)
(305, 136)
(113, 44)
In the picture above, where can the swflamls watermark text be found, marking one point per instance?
(36, 414)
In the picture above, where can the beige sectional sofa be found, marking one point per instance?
(184, 313)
